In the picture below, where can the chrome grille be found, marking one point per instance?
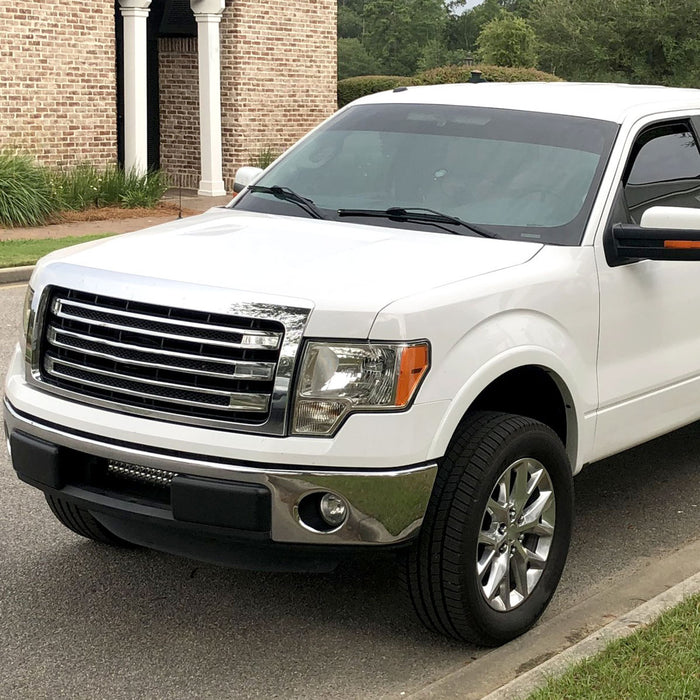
(163, 359)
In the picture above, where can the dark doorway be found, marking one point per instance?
(153, 33)
(166, 18)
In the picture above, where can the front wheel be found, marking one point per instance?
(496, 533)
(82, 522)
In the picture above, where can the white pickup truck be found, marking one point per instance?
(406, 335)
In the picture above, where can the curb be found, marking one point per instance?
(9, 275)
(497, 673)
(624, 626)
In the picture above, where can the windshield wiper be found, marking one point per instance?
(419, 215)
(288, 195)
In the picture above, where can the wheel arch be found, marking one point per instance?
(526, 384)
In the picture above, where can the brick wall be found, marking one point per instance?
(278, 61)
(57, 80)
(278, 80)
(179, 111)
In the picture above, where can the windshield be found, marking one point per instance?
(521, 175)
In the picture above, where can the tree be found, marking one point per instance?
(353, 59)
(397, 30)
(350, 22)
(638, 41)
(518, 7)
(463, 30)
(569, 44)
(508, 40)
(435, 53)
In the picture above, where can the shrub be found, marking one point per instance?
(76, 189)
(352, 88)
(26, 192)
(142, 190)
(84, 186)
(493, 74)
(264, 157)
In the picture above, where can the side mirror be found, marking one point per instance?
(666, 233)
(244, 177)
(675, 218)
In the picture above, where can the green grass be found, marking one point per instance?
(27, 252)
(659, 662)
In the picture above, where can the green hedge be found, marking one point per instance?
(493, 74)
(353, 88)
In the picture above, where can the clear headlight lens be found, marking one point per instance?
(341, 378)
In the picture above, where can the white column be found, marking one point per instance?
(208, 16)
(135, 14)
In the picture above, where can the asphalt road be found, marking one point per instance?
(80, 620)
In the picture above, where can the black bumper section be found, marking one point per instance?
(216, 521)
(192, 499)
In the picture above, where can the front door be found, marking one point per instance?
(649, 347)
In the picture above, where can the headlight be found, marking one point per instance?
(27, 320)
(337, 379)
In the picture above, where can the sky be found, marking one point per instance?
(469, 5)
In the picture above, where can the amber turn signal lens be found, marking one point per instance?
(414, 363)
(681, 244)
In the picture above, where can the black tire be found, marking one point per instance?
(82, 522)
(440, 571)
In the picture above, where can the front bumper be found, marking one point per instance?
(242, 501)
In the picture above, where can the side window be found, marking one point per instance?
(664, 170)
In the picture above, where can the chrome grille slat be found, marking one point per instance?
(237, 402)
(240, 369)
(273, 338)
(59, 312)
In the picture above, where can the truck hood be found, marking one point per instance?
(347, 271)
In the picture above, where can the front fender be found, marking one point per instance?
(543, 313)
(580, 428)
(510, 340)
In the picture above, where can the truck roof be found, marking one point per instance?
(613, 102)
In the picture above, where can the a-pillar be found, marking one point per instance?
(208, 15)
(135, 14)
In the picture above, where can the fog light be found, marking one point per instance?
(333, 510)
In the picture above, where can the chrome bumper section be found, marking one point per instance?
(386, 507)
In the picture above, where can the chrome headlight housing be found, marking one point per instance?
(27, 321)
(337, 379)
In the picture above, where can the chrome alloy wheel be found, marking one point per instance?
(516, 534)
